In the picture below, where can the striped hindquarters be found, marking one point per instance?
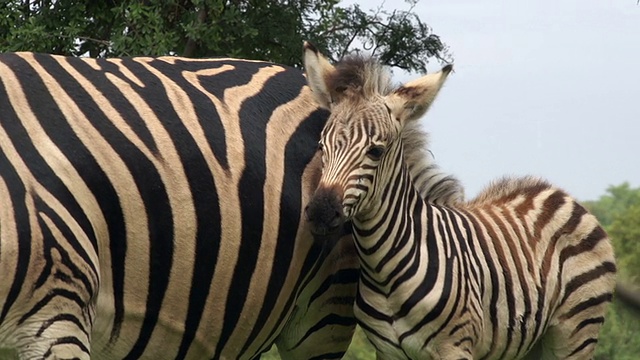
(547, 268)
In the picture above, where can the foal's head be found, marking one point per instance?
(361, 143)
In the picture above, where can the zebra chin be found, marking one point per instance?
(325, 214)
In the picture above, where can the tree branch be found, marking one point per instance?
(628, 296)
(86, 38)
(346, 48)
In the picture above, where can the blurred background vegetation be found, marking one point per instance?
(250, 29)
(274, 31)
(619, 212)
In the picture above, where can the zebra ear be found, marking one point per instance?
(412, 100)
(318, 70)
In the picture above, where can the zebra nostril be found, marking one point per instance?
(324, 211)
(337, 220)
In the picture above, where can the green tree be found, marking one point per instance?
(625, 232)
(619, 213)
(619, 337)
(360, 349)
(615, 202)
(256, 29)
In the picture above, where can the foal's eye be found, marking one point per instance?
(320, 147)
(375, 152)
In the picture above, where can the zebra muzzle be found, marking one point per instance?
(324, 212)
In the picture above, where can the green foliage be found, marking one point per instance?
(360, 349)
(625, 232)
(6, 354)
(619, 213)
(271, 354)
(253, 29)
(617, 200)
(620, 335)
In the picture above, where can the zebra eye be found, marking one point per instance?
(320, 147)
(375, 152)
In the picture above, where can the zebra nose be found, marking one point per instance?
(312, 214)
(324, 213)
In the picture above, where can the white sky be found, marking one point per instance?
(548, 88)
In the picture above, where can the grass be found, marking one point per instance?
(360, 349)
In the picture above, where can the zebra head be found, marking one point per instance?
(361, 143)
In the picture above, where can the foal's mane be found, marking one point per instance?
(359, 78)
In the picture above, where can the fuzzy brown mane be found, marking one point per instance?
(507, 188)
(359, 77)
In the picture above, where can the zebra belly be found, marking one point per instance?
(164, 342)
(168, 335)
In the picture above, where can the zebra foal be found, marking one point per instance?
(522, 270)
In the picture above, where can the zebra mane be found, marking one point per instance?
(506, 188)
(357, 78)
(433, 184)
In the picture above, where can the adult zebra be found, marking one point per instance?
(151, 208)
(523, 264)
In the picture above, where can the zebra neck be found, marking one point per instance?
(388, 234)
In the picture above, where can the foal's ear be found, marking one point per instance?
(318, 70)
(412, 100)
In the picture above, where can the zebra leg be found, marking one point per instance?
(536, 352)
(322, 324)
(574, 331)
(380, 355)
(62, 336)
(442, 353)
(54, 319)
(574, 338)
(452, 352)
(588, 284)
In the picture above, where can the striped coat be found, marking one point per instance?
(522, 270)
(153, 208)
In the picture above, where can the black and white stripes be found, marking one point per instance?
(522, 270)
(153, 208)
